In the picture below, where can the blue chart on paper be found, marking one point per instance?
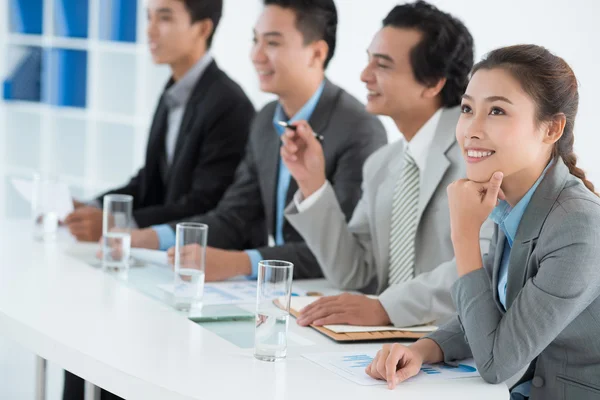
(352, 367)
(437, 369)
(220, 293)
(430, 370)
(358, 361)
(461, 368)
(229, 293)
(363, 360)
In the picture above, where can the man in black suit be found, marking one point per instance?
(294, 40)
(200, 126)
(198, 135)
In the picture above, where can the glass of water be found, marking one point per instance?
(43, 210)
(116, 232)
(190, 255)
(273, 293)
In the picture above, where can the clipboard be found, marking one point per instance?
(221, 313)
(364, 336)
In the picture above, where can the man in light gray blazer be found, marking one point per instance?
(398, 240)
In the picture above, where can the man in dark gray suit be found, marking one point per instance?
(293, 44)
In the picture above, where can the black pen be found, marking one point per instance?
(320, 138)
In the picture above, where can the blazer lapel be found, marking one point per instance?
(434, 172)
(158, 132)
(318, 122)
(500, 243)
(158, 129)
(191, 108)
(322, 113)
(519, 255)
(267, 163)
(531, 224)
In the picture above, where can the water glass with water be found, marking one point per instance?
(43, 212)
(116, 232)
(273, 293)
(190, 255)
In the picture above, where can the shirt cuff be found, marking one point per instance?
(303, 204)
(255, 258)
(166, 236)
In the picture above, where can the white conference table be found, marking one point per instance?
(128, 342)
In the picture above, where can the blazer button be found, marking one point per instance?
(537, 381)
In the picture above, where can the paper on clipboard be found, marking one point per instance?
(358, 328)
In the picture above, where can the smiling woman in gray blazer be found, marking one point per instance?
(535, 299)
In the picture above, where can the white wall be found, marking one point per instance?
(567, 28)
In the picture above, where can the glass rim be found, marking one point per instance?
(118, 197)
(191, 225)
(286, 264)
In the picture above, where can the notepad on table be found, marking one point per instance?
(360, 333)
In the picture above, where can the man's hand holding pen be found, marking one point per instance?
(302, 153)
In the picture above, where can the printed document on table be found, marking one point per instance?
(351, 365)
(231, 292)
(59, 201)
(156, 257)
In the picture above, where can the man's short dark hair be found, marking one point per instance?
(205, 9)
(315, 19)
(446, 50)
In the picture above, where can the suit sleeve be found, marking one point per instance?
(346, 181)
(344, 251)
(451, 336)
(567, 282)
(221, 151)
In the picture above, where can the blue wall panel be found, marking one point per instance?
(23, 83)
(118, 20)
(64, 77)
(25, 16)
(71, 18)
